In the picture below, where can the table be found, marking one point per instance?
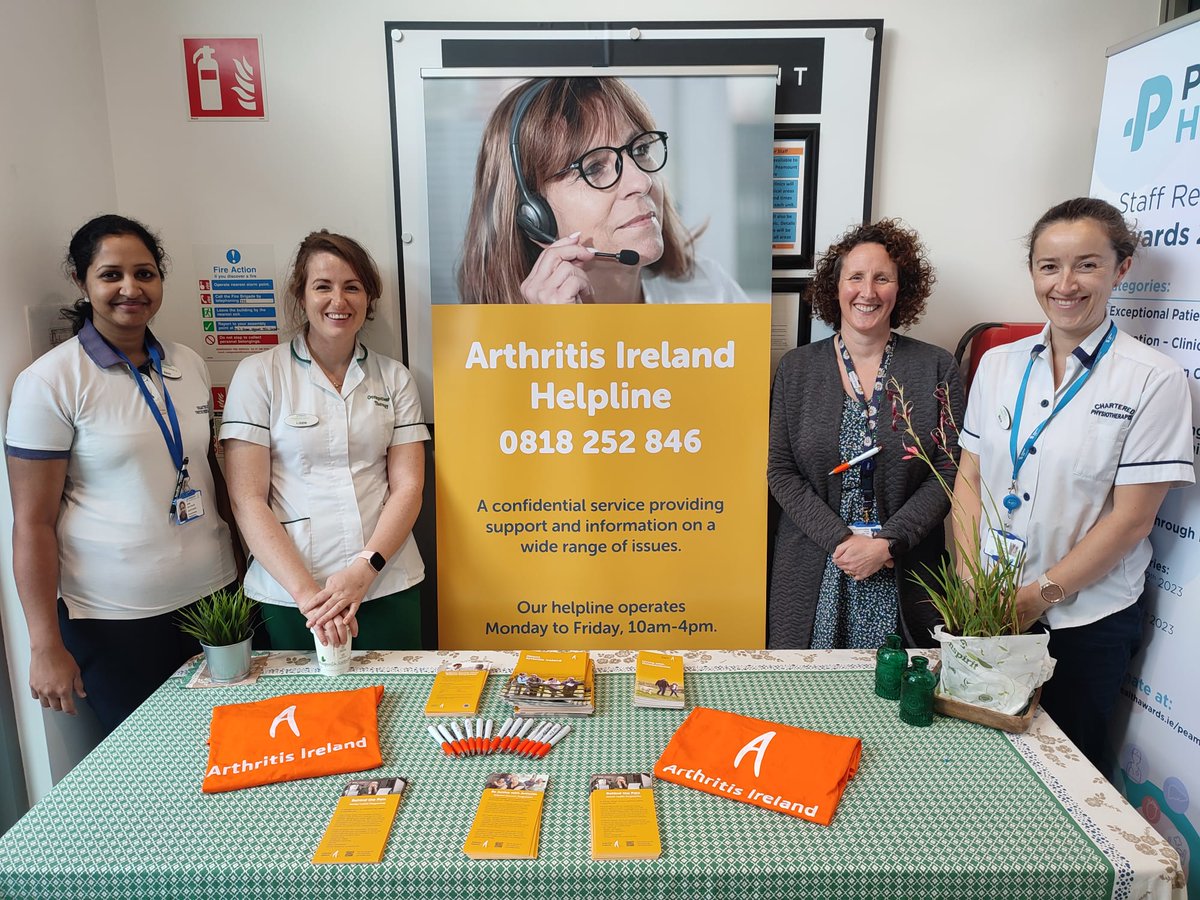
(954, 810)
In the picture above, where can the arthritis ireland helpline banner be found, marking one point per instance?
(1148, 166)
(601, 475)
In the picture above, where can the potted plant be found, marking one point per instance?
(223, 623)
(986, 660)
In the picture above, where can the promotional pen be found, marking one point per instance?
(499, 736)
(437, 739)
(535, 749)
(523, 747)
(460, 739)
(839, 469)
(480, 736)
(487, 736)
(448, 738)
(469, 730)
(517, 736)
(553, 739)
(558, 737)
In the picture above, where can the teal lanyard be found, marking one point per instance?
(1012, 501)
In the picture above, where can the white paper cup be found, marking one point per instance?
(333, 659)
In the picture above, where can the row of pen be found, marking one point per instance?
(519, 736)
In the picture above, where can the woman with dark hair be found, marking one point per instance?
(850, 535)
(115, 490)
(570, 206)
(1076, 434)
(323, 448)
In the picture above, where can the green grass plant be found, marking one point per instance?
(220, 619)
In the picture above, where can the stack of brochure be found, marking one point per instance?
(508, 822)
(552, 683)
(659, 680)
(456, 689)
(624, 823)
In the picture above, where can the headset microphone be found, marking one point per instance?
(624, 257)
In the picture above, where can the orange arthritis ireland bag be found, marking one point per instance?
(780, 767)
(291, 737)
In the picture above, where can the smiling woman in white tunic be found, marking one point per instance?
(323, 443)
(1077, 433)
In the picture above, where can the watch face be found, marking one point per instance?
(1052, 593)
(377, 562)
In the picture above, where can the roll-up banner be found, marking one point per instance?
(1148, 165)
(601, 462)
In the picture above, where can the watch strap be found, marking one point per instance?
(374, 559)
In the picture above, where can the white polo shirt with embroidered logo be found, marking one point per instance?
(1130, 423)
(328, 456)
(120, 557)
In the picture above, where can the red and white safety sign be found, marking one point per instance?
(224, 77)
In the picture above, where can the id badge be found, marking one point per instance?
(187, 506)
(865, 529)
(1003, 544)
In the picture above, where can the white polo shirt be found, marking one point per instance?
(328, 456)
(1129, 424)
(120, 557)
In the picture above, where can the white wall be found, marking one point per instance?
(55, 173)
(987, 115)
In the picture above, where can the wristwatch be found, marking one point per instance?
(376, 560)
(1051, 592)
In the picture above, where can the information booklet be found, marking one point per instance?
(508, 822)
(551, 683)
(624, 823)
(659, 680)
(359, 828)
(456, 689)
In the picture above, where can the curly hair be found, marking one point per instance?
(904, 247)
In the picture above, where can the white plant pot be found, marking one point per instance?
(999, 673)
(230, 663)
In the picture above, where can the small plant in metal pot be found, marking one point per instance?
(223, 623)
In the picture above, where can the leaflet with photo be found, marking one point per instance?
(508, 821)
(456, 689)
(624, 823)
(659, 680)
(359, 828)
(552, 683)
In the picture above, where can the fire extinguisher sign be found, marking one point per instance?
(224, 77)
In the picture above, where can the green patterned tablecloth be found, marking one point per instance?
(955, 810)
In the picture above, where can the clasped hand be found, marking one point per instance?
(861, 557)
(332, 610)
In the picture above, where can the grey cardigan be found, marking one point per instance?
(806, 416)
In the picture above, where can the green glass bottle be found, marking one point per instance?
(916, 693)
(890, 663)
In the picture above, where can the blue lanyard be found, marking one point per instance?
(173, 438)
(1018, 459)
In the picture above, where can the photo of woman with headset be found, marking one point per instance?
(571, 206)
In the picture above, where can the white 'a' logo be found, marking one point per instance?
(289, 716)
(759, 747)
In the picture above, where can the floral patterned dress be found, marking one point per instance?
(854, 613)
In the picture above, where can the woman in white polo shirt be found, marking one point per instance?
(114, 486)
(1077, 434)
(324, 454)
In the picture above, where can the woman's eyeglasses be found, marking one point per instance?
(601, 167)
